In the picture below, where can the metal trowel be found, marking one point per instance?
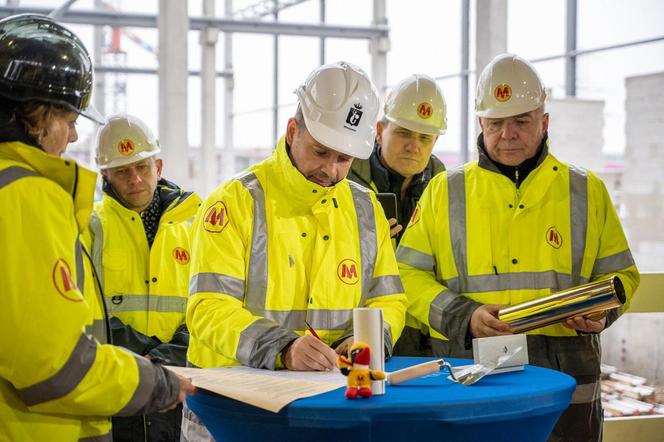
(466, 375)
(471, 374)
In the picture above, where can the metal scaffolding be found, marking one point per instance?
(244, 20)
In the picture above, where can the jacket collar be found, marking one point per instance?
(74, 179)
(524, 168)
(386, 178)
(296, 185)
(171, 196)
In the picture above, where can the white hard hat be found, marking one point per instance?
(340, 106)
(124, 139)
(417, 104)
(508, 86)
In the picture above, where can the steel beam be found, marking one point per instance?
(123, 19)
(147, 71)
(465, 84)
(570, 47)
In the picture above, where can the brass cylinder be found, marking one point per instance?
(592, 300)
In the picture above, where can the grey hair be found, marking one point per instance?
(299, 118)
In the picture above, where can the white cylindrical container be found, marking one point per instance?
(368, 327)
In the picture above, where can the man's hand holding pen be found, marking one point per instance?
(308, 353)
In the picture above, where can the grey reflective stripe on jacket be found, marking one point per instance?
(157, 388)
(145, 303)
(217, 283)
(371, 287)
(98, 330)
(80, 270)
(256, 346)
(613, 263)
(11, 174)
(578, 212)
(100, 438)
(66, 379)
(97, 246)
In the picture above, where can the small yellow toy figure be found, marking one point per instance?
(358, 371)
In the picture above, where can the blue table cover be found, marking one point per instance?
(515, 406)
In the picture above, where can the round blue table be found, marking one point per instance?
(515, 406)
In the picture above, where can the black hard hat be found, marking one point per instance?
(42, 60)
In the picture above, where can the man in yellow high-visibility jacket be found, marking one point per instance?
(57, 382)
(292, 241)
(511, 227)
(415, 114)
(140, 246)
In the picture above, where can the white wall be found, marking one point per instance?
(575, 131)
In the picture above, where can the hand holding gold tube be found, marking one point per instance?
(588, 300)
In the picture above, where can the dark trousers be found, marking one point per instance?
(156, 427)
(413, 342)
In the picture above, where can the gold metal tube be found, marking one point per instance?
(591, 300)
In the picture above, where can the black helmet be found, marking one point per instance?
(42, 60)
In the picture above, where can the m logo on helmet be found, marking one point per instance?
(503, 92)
(347, 272)
(126, 147)
(215, 218)
(181, 255)
(554, 238)
(64, 282)
(354, 116)
(424, 110)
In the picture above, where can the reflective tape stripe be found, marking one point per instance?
(256, 283)
(415, 258)
(385, 285)
(66, 379)
(389, 345)
(97, 330)
(578, 200)
(97, 246)
(100, 438)
(586, 393)
(254, 347)
(340, 319)
(150, 303)
(438, 306)
(217, 283)
(320, 319)
(613, 263)
(456, 195)
(80, 271)
(11, 174)
(144, 390)
(260, 342)
(366, 225)
(512, 281)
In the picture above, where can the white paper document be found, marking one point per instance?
(267, 389)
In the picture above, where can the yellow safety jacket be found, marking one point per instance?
(477, 238)
(56, 381)
(145, 287)
(272, 249)
(364, 172)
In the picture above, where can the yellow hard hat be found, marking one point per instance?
(340, 106)
(124, 139)
(508, 86)
(418, 104)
